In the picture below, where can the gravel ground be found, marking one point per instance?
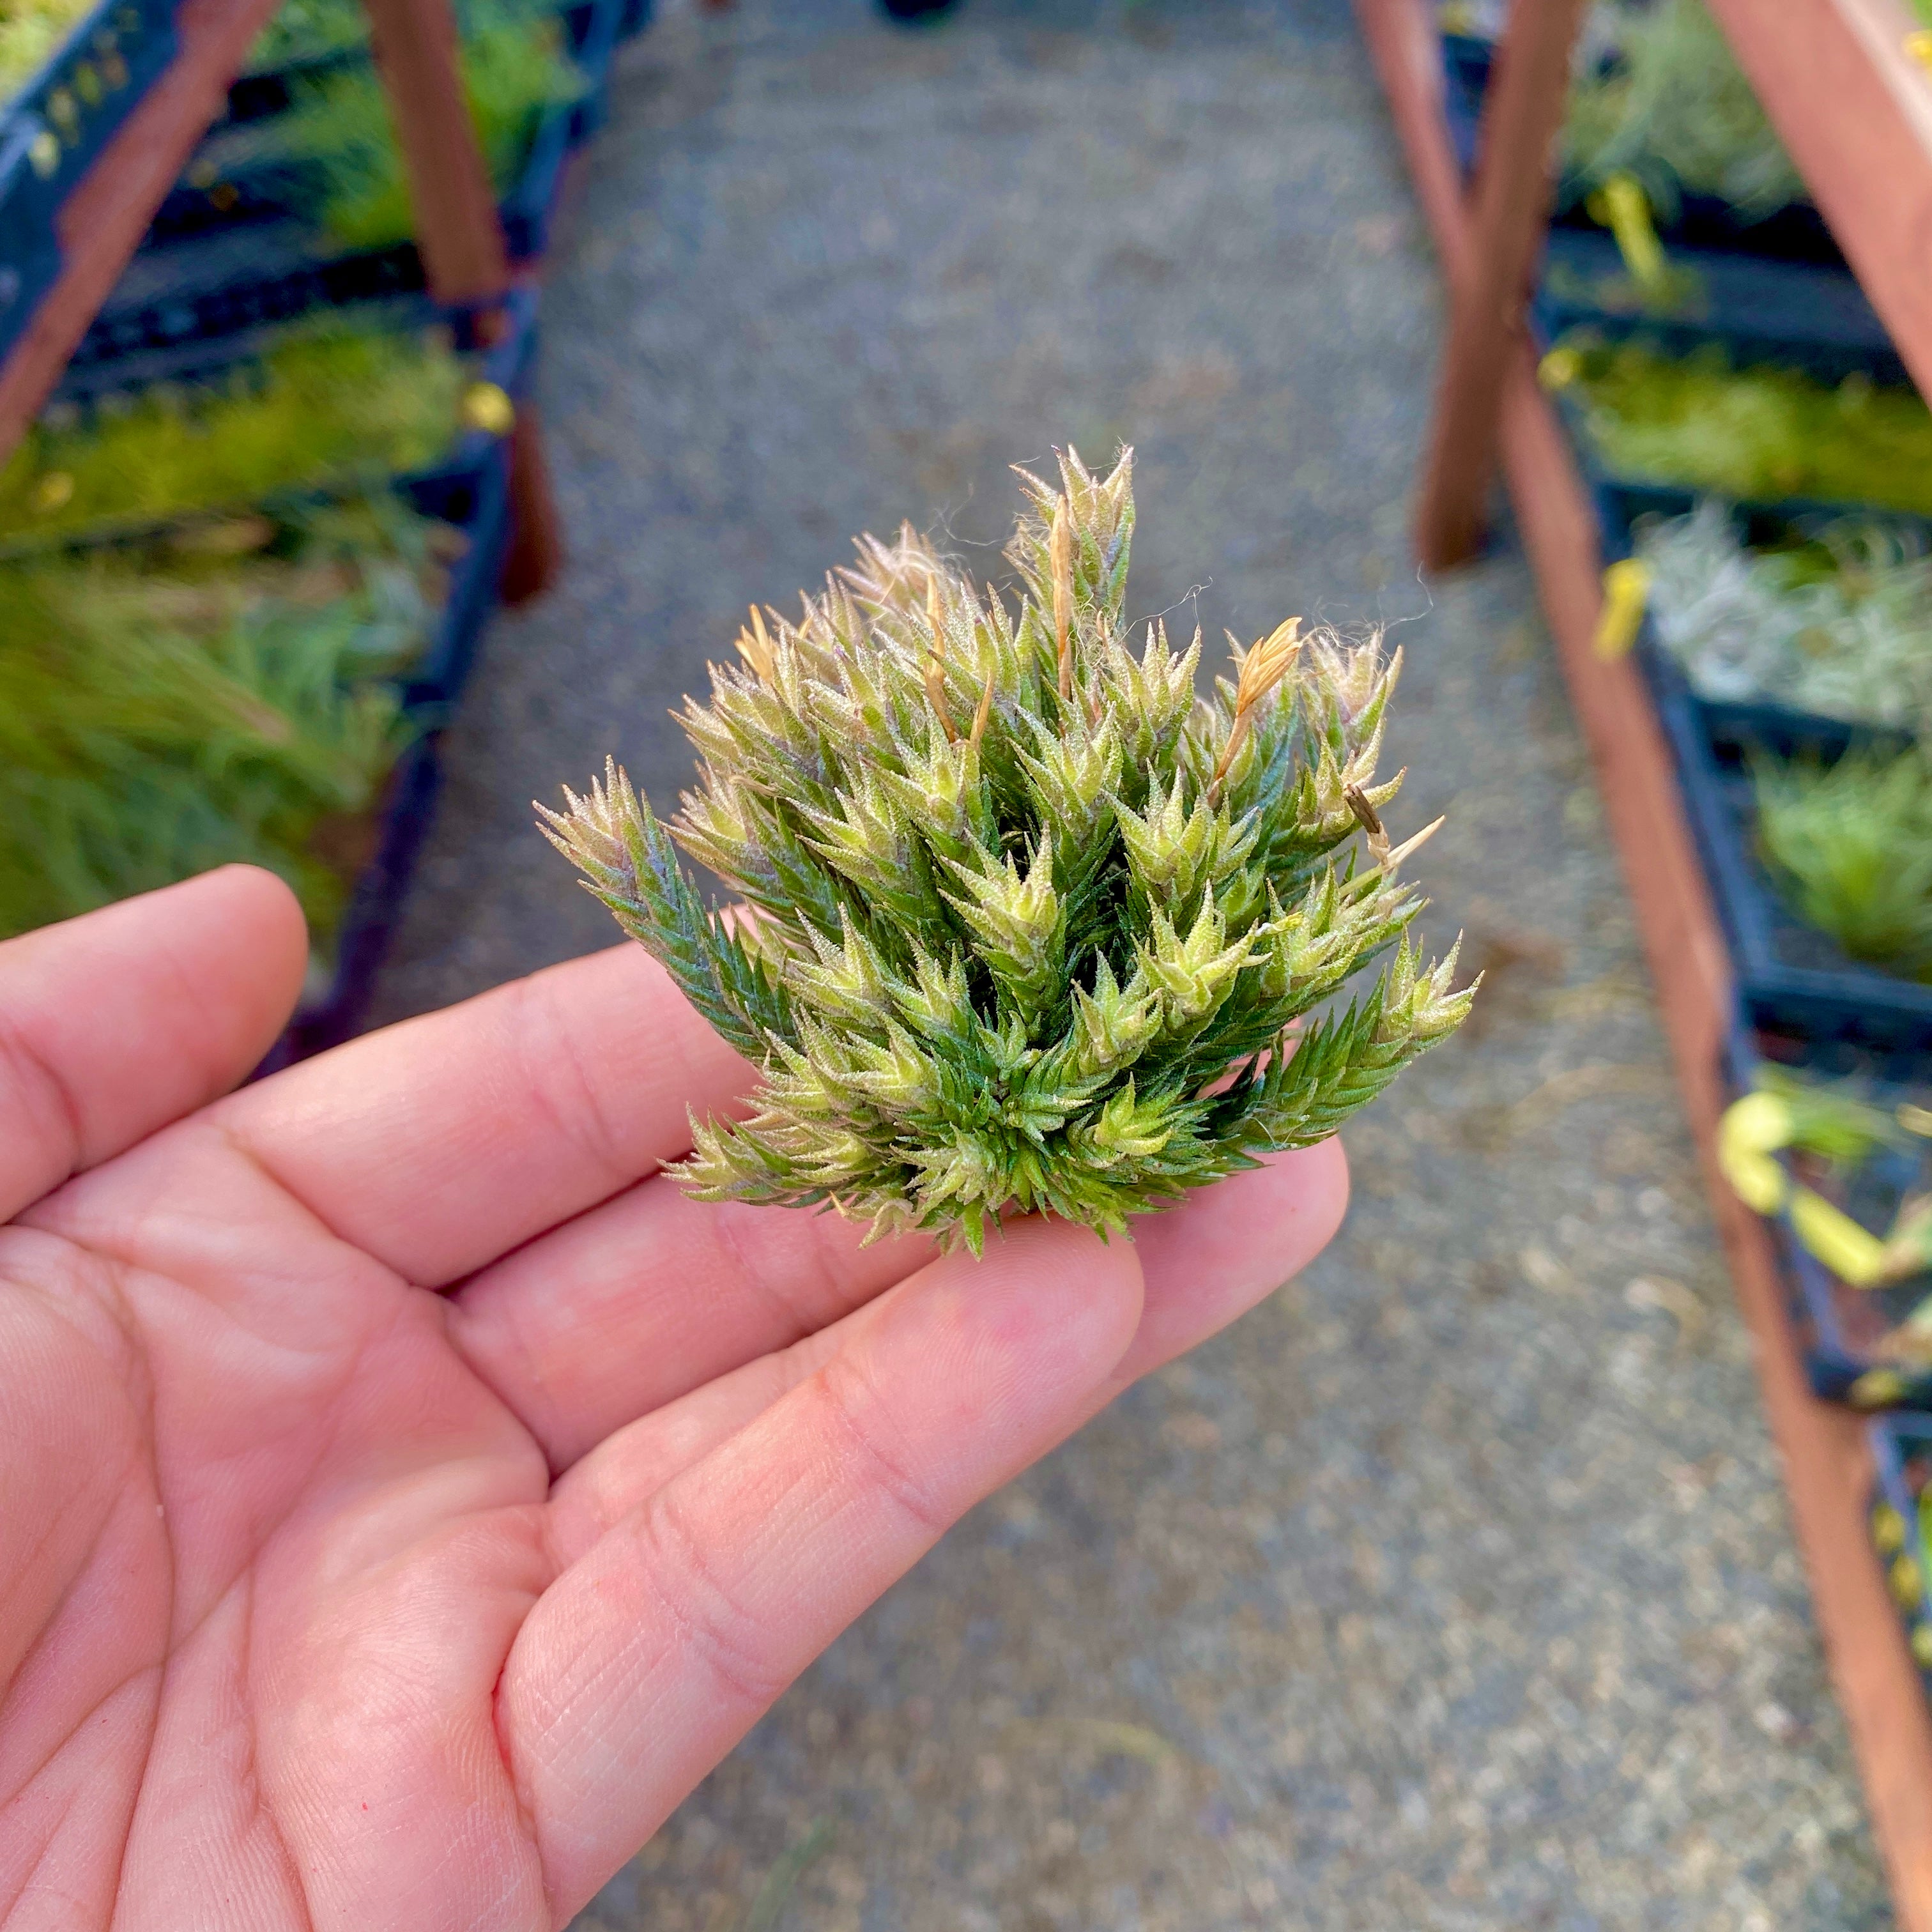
(1455, 1588)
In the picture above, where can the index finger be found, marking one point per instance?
(440, 1143)
(117, 1022)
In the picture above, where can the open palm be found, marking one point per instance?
(406, 1495)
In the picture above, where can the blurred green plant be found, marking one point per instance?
(1837, 622)
(337, 134)
(31, 33)
(328, 404)
(1850, 845)
(1034, 927)
(1658, 96)
(221, 694)
(1762, 434)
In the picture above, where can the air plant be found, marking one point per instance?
(32, 32)
(1028, 926)
(1850, 845)
(1695, 422)
(1660, 98)
(300, 32)
(329, 404)
(339, 135)
(221, 694)
(1838, 624)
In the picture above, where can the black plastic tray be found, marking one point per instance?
(468, 486)
(1791, 979)
(53, 129)
(211, 283)
(1901, 1454)
(1780, 727)
(1837, 1325)
(404, 819)
(1796, 233)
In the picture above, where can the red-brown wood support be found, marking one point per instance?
(457, 231)
(1521, 116)
(460, 238)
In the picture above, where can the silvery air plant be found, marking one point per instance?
(1028, 927)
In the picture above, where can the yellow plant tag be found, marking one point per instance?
(1559, 368)
(1626, 592)
(1751, 1131)
(487, 406)
(1623, 207)
(1856, 1256)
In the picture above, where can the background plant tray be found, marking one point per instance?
(262, 91)
(1796, 233)
(83, 93)
(1780, 727)
(1837, 1326)
(1901, 1454)
(1761, 310)
(241, 273)
(403, 819)
(230, 183)
(53, 129)
(1791, 979)
(468, 486)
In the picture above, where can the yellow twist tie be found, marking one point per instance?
(1626, 592)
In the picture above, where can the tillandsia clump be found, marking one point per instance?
(1761, 433)
(329, 403)
(1658, 96)
(1849, 846)
(1834, 619)
(1031, 927)
(338, 138)
(31, 31)
(222, 692)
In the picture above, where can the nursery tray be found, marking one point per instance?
(1791, 978)
(1798, 232)
(261, 92)
(220, 279)
(1901, 1454)
(1780, 727)
(1761, 310)
(1838, 1327)
(469, 487)
(51, 129)
(84, 91)
(1776, 290)
(337, 1010)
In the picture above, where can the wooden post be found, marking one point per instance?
(460, 235)
(457, 232)
(1513, 184)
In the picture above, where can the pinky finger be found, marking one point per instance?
(655, 1651)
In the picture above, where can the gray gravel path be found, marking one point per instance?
(1454, 1588)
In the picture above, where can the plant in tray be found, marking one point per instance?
(1836, 621)
(219, 693)
(327, 403)
(31, 31)
(1031, 927)
(1657, 97)
(1845, 1161)
(1850, 845)
(1695, 422)
(338, 134)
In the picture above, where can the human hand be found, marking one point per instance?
(408, 1495)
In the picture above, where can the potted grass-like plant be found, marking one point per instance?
(1027, 926)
